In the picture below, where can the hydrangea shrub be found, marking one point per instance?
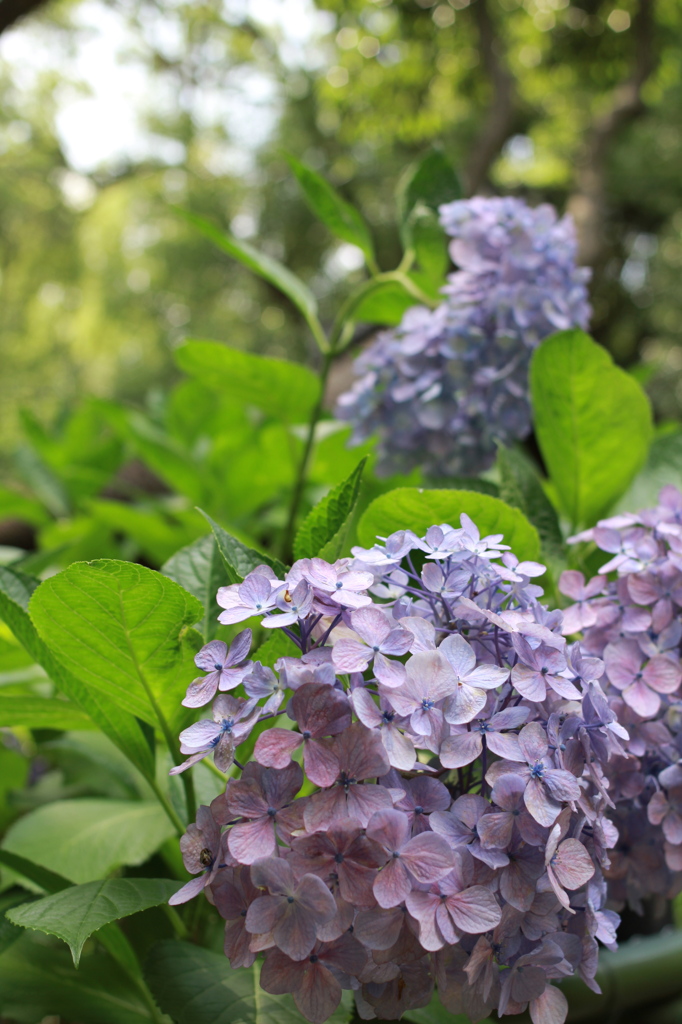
(434, 811)
(632, 628)
(446, 385)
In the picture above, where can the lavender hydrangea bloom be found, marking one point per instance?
(446, 385)
(459, 760)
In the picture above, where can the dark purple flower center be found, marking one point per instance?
(242, 913)
(395, 854)
(428, 704)
(218, 667)
(484, 727)
(346, 781)
(419, 809)
(544, 670)
(376, 649)
(314, 958)
(388, 716)
(307, 735)
(272, 811)
(290, 899)
(538, 770)
(338, 858)
(339, 585)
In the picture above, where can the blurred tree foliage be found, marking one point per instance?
(579, 105)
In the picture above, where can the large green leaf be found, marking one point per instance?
(416, 509)
(75, 913)
(286, 391)
(240, 559)
(45, 879)
(121, 728)
(381, 302)
(17, 587)
(201, 570)
(38, 982)
(432, 181)
(521, 486)
(324, 530)
(663, 466)
(9, 933)
(267, 268)
(120, 628)
(326, 203)
(196, 986)
(86, 839)
(41, 713)
(277, 646)
(592, 421)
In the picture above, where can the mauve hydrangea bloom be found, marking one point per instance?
(448, 826)
(633, 624)
(446, 385)
(226, 669)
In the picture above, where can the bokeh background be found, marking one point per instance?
(112, 114)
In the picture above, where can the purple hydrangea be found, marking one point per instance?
(426, 802)
(446, 385)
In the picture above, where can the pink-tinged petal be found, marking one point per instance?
(201, 691)
(364, 801)
(504, 744)
(561, 784)
(578, 617)
(430, 674)
(446, 824)
(529, 683)
(508, 792)
(423, 631)
(460, 654)
(223, 753)
(389, 673)
(401, 701)
(424, 907)
(194, 759)
(320, 710)
(464, 704)
(188, 891)
(510, 718)
(446, 926)
(549, 1008)
(321, 765)
(318, 995)
(641, 699)
(488, 677)
(662, 674)
(672, 828)
(390, 828)
(252, 840)
(351, 655)
(392, 884)
(533, 742)
(366, 708)
(313, 895)
(622, 660)
(350, 599)
(398, 642)
(458, 751)
(280, 975)
(572, 584)
(428, 857)
(475, 910)
(564, 687)
(379, 929)
(236, 945)
(263, 914)
(400, 749)
(275, 746)
(572, 864)
(495, 830)
(361, 753)
(295, 932)
(372, 625)
(657, 808)
(539, 803)
(324, 808)
(245, 799)
(516, 887)
(213, 656)
(199, 736)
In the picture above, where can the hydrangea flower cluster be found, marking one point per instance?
(430, 809)
(633, 625)
(442, 388)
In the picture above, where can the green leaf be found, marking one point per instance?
(382, 302)
(15, 506)
(119, 628)
(411, 508)
(86, 839)
(429, 241)
(284, 390)
(38, 981)
(521, 487)
(9, 933)
(240, 559)
(45, 879)
(196, 986)
(326, 203)
(17, 586)
(435, 1013)
(41, 713)
(75, 913)
(324, 530)
(267, 268)
(200, 569)
(592, 422)
(121, 728)
(663, 466)
(432, 182)
(277, 646)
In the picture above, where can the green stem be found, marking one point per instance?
(299, 484)
(177, 924)
(168, 808)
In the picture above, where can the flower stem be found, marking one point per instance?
(300, 482)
